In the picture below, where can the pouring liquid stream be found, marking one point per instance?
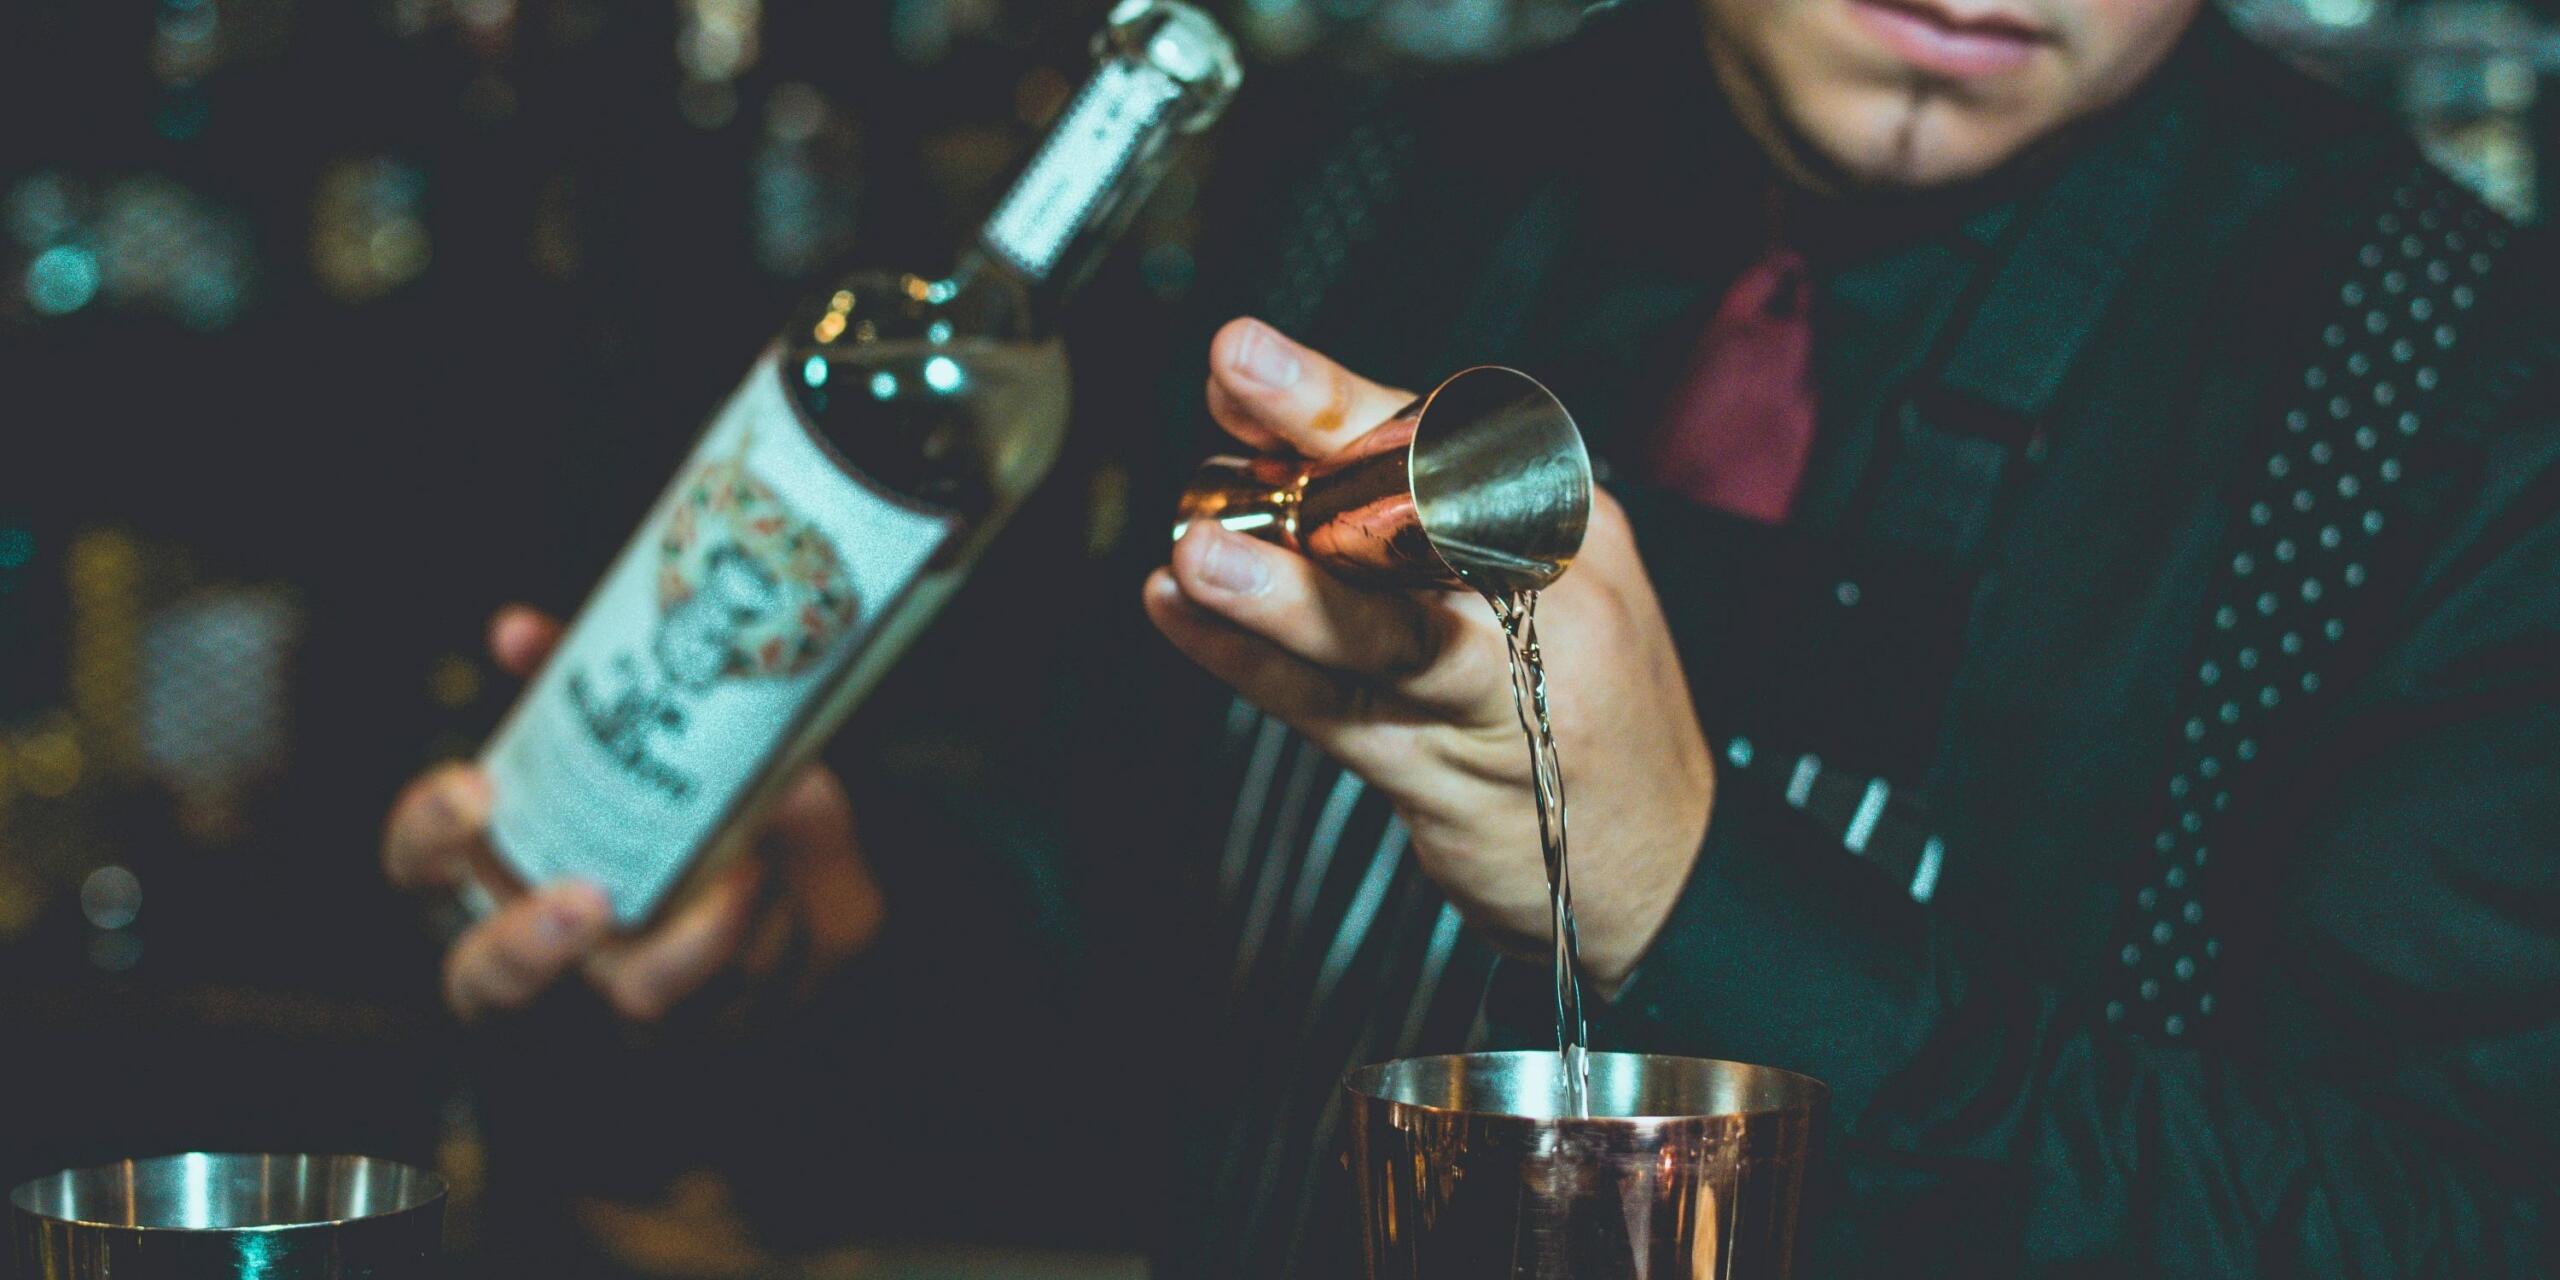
(1518, 613)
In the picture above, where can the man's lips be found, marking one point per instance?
(1948, 43)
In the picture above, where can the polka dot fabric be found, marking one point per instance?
(2298, 561)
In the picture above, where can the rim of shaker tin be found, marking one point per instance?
(432, 1188)
(1818, 1094)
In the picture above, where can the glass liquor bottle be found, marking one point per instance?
(831, 507)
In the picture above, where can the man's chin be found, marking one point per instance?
(1904, 146)
(1921, 172)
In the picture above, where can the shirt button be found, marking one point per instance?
(1847, 594)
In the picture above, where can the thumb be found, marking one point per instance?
(1269, 392)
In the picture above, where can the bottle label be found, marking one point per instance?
(1101, 132)
(751, 586)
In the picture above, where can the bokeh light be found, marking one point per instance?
(62, 280)
(111, 897)
(368, 230)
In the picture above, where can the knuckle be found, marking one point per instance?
(1622, 607)
(474, 985)
(449, 781)
(522, 952)
(427, 823)
(816, 784)
(458, 995)
(1415, 643)
(635, 995)
(518, 965)
(461, 1002)
(1351, 698)
(1605, 508)
(413, 817)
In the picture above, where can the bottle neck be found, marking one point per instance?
(1083, 186)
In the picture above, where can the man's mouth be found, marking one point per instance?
(1954, 40)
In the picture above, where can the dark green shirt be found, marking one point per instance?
(2047, 400)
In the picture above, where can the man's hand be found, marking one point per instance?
(1411, 689)
(830, 909)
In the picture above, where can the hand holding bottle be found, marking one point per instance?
(834, 503)
(826, 909)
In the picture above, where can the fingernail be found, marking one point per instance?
(1266, 357)
(1229, 565)
(461, 803)
(563, 922)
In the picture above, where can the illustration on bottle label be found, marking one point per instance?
(746, 586)
(745, 589)
(751, 584)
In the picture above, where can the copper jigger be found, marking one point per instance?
(1686, 1169)
(1481, 484)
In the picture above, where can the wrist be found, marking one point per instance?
(1627, 911)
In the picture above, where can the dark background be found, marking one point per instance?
(325, 328)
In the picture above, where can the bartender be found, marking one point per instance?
(2068, 661)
